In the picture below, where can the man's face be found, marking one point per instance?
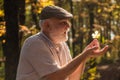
(58, 29)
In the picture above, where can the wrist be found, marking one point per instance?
(85, 55)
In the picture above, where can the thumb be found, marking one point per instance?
(93, 48)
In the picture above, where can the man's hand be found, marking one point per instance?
(93, 49)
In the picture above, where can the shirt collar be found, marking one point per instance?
(51, 44)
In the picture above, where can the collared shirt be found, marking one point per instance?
(40, 57)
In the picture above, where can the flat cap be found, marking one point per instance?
(54, 11)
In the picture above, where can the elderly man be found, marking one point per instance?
(46, 56)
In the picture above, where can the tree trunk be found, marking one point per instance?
(21, 12)
(21, 18)
(12, 38)
(72, 29)
(91, 14)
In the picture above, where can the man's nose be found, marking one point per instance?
(68, 25)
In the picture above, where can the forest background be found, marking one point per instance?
(99, 19)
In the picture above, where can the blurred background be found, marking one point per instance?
(98, 19)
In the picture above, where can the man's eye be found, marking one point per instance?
(63, 23)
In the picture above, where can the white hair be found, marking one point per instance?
(41, 23)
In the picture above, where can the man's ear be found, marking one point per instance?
(46, 23)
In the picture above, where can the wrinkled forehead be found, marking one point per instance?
(57, 21)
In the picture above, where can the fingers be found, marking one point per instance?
(102, 51)
(91, 49)
(94, 49)
(94, 43)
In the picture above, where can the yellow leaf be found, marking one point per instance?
(99, 10)
(1, 13)
(3, 41)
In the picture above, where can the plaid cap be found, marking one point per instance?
(54, 11)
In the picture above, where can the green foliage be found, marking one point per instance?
(2, 65)
(107, 25)
(2, 72)
(90, 71)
